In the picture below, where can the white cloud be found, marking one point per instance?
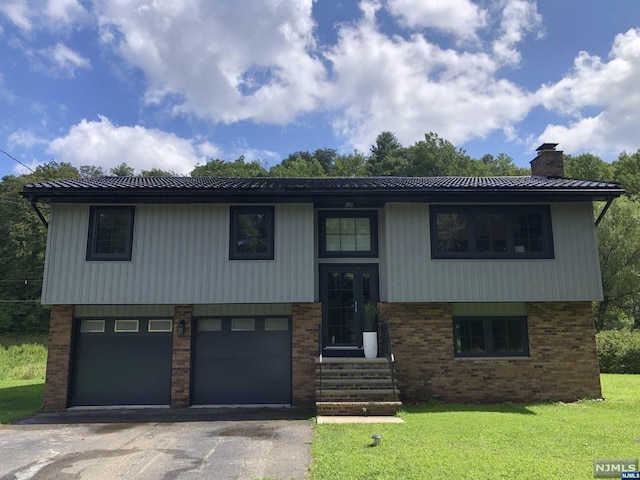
(18, 13)
(223, 61)
(609, 87)
(24, 138)
(25, 14)
(411, 86)
(64, 60)
(518, 18)
(461, 18)
(101, 143)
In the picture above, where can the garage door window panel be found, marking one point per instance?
(160, 326)
(126, 326)
(92, 326)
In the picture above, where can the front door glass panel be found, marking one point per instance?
(344, 290)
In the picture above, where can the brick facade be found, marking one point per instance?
(181, 358)
(563, 361)
(58, 360)
(307, 318)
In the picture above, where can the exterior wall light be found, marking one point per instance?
(180, 328)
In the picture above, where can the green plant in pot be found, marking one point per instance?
(370, 313)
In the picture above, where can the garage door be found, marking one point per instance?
(242, 360)
(121, 362)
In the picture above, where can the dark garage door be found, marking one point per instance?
(122, 362)
(242, 360)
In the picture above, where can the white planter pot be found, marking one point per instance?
(370, 343)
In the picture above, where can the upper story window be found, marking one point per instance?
(348, 233)
(110, 233)
(252, 233)
(491, 232)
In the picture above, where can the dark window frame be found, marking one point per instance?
(372, 215)
(511, 213)
(92, 237)
(489, 336)
(235, 211)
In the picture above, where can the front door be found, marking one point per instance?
(343, 291)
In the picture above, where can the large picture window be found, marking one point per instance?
(251, 233)
(491, 232)
(110, 233)
(490, 336)
(348, 233)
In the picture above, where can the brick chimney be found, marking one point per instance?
(549, 161)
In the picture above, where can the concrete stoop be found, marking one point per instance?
(356, 387)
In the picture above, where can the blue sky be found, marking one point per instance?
(173, 84)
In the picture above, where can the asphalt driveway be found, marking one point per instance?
(247, 444)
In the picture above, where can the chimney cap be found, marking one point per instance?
(546, 146)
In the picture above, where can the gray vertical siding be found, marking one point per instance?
(180, 255)
(411, 275)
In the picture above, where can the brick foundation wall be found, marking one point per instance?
(563, 363)
(56, 387)
(181, 358)
(304, 339)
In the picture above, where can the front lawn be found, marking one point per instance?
(19, 399)
(506, 441)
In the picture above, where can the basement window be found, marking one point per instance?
(490, 336)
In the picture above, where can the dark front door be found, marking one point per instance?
(343, 290)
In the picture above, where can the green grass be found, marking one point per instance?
(19, 399)
(23, 362)
(22, 369)
(505, 441)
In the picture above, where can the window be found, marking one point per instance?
(251, 233)
(110, 233)
(156, 326)
(243, 324)
(125, 326)
(490, 336)
(491, 232)
(276, 324)
(92, 326)
(209, 324)
(348, 233)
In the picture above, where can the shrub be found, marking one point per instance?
(619, 351)
(23, 362)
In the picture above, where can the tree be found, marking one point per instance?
(627, 171)
(299, 167)
(122, 170)
(22, 247)
(387, 156)
(237, 168)
(587, 167)
(89, 171)
(619, 244)
(501, 166)
(352, 165)
(156, 172)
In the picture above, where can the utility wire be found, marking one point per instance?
(14, 158)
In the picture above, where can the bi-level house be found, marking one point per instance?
(217, 291)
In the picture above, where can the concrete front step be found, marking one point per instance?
(358, 408)
(357, 395)
(329, 383)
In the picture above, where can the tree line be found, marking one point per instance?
(23, 236)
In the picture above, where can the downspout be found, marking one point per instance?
(35, 207)
(604, 210)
